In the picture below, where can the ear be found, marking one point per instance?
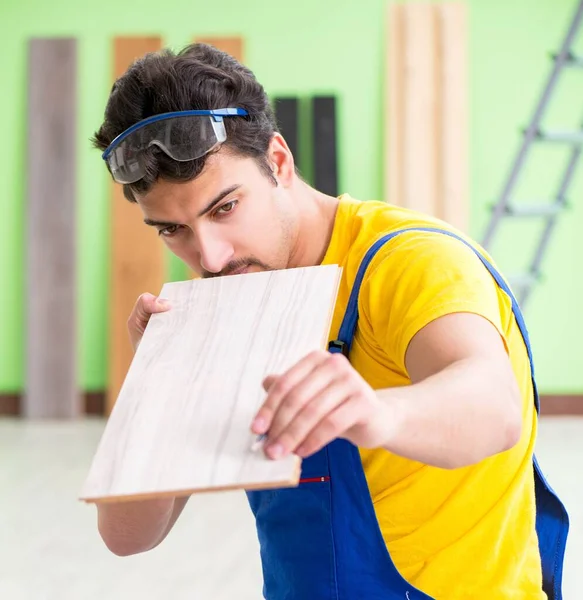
(281, 160)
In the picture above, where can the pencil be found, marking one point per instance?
(258, 443)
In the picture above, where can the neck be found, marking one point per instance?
(316, 215)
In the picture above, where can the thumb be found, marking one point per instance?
(149, 304)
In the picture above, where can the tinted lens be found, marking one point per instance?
(181, 138)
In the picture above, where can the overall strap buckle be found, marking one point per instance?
(338, 346)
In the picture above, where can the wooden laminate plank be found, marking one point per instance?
(427, 126)
(287, 115)
(51, 249)
(182, 421)
(233, 45)
(325, 144)
(454, 117)
(438, 98)
(395, 111)
(419, 147)
(137, 254)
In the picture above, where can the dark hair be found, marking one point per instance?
(199, 77)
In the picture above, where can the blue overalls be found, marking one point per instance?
(321, 540)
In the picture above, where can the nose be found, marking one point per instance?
(215, 253)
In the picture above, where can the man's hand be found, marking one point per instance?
(319, 399)
(463, 405)
(145, 307)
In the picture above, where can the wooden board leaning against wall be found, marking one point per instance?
(233, 45)
(137, 255)
(427, 126)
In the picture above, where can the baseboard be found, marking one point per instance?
(9, 404)
(561, 404)
(94, 402)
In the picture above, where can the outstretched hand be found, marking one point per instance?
(319, 399)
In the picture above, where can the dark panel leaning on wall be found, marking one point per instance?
(287, 116)
(324, 143)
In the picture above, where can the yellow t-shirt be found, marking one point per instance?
(467, 533)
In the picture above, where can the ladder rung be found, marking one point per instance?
(575, 61)
(522, 280)
(535, 210)
(570, 137)
(572, 60)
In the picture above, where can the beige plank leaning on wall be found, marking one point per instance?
(137, 255)
(427, 110)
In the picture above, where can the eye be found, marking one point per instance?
(226, 208)
(169, 231)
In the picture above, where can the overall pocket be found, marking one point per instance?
(295, 536)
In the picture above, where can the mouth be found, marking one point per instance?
(241, 271)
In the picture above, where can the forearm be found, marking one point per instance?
(134, 527)
(468, 411)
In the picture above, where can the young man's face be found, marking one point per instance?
(230, 219)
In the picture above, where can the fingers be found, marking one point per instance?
(278, 387)
(269, 381)
(313, 424)
(318, 400)
(146, 305)
(335, 424)
(320, 383)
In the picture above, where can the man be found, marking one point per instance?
(417, 427)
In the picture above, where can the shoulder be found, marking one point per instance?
(360, 224)
(409, 250)
(410, 247)
(418, 276)
(365, 222)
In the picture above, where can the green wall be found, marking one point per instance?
(299, 47)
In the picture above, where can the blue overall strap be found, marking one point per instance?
(552, 521)
(348, 327)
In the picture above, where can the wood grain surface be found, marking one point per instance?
(419, 120)
(138, 262)
(395, 99)
(51, 226)
(454, 118)
(182, 421)
(232, 45)
(426, 133)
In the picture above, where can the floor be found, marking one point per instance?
(50, 549)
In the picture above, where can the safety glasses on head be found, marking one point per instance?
(183, 135)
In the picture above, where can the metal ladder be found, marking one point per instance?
(523, 284)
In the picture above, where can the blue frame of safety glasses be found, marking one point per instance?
(217, 114)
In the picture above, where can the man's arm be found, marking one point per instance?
(434, 310)
(464, 403)
(134, 527)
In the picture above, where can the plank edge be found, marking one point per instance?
(293, 481)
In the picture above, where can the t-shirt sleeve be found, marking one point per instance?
(419, 279)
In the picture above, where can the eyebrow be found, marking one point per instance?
(204, 211)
